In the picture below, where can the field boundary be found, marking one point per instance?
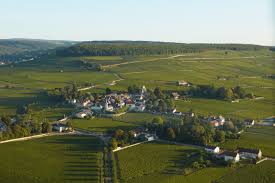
(33, 137)
(122, 148)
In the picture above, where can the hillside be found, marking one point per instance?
(119, 48)
(12, 49)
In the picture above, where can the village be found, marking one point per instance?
(117, 104)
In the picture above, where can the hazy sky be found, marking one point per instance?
(211, 21)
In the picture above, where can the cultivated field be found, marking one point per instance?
(156, 162)
(25, 83)
(159, 162)
(101, 124)
(255, 137)
(51, 159)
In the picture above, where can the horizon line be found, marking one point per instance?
(114, 40)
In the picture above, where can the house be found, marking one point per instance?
(216, 121)
(97, 107)
(212, 149)
(85, 103)
(249, 122)
(250, 153)
(73, 101)
(143, 90)
(270, 119)
(190, 114)
(147, 137)
(183, 83)
(107, 107)
(139, 107)
(233, 156)
(175, 95)
(60, 127)
(178, 113)
(84, 113)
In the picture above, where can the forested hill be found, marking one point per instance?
(116, 48)
(10, 49)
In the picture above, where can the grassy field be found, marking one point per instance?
(256, 137)
(51, 159)
(157, 162)
(101, 124)
(27, 81)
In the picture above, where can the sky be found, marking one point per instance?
(188, 21)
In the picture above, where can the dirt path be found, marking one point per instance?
(196, 59)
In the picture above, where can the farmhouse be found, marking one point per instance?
(108, 108)
(96, 107)
(216, 121)
(250, 153)
(147, 137)
(175, 95)
(85, 103)
(83, 114)
(234, 156)
(212, 149)
(60, 127)
(249, 122)
(183, 83)
(139, 107)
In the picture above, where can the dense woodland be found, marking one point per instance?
(194, 130)
(222, 93)
(118, 48)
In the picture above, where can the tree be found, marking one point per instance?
(221, 92)
(220, 136)
(108, 91)
(119, 134)
(46, 127)
(158, 93)
(114, 143)
(229, 125)
(228, 94)
(69, 124)
(6, 120)
(171, 134)
(157, 120)
(240, 92)
(195, 165)
(36, 128)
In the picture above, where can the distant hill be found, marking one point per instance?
(117, 48)
(12, 49)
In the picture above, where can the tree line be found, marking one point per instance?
(23, 127)
(120, 48)
(194, 130)
(209, 91)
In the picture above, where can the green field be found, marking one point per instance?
(260, 173)
(51, 159)
(157, 162)
(27, 81)
(101, 124)
(255, 137)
